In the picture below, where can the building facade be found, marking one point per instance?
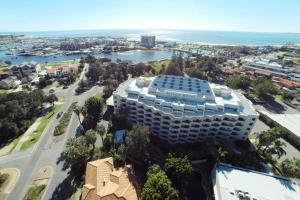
(186, 110)
(148, 41)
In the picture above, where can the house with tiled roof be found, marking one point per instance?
(104, 182)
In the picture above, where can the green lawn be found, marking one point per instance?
(35, 192)
(3, 91)
(15, 142)
(35, 136)
(279, 97)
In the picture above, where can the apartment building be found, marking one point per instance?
(148, 41)
(186, 110)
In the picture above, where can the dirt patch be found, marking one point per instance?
(9, 184)
(58, 138)
(6, 149)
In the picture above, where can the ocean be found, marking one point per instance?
(182, 36)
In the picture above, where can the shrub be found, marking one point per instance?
(3, 178)
(64, 121)
(34, 193)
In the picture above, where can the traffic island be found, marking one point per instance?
(39, 184)
(11, 176)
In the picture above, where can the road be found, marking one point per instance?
(46, 152)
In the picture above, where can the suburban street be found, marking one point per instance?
(46, 152)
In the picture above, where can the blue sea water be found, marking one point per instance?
(184, 36)
(135, 56)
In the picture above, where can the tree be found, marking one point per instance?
(93, 73)
(173, 69)
(269, 143)
(288, 96)
(178, 169)
(153, 169)
(76, 153)
(108, 142)
(264, 88)
(17, 112)
(52, 98)
(91, 137)
(266, 138)
(93, 111)
(94, 107)
(291, 168)
(78, 110)
(101, 131)
(122, 152)
(138, 141)
(237, 82)
(158, 187)
(277, 148)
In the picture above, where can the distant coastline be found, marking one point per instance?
(229, 38)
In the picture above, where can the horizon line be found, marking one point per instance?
(152, 29)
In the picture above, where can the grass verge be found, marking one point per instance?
(35, 192)
(64, 121)
(35, 136)
(15, 143)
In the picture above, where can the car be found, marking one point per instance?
(65, 87)
(59, 115)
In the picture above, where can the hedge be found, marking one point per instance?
(64, 121)
(286, 134)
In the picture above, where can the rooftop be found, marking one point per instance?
(186, 92)
(104, 181)
(233, 183)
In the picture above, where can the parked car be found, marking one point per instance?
(59, 115)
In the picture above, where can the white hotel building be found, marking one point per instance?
(181, 110)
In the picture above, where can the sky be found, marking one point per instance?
(224, 15)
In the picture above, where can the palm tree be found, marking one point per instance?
(101, 131)
(278, 149)
(78, 110)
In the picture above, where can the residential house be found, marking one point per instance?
(25, 68)
(60, 72)
(104, 182)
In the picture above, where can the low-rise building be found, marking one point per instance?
(104, 182)
(233, 183)
(181, 109)
(59, 72)
(266, 65)
(25, 68)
